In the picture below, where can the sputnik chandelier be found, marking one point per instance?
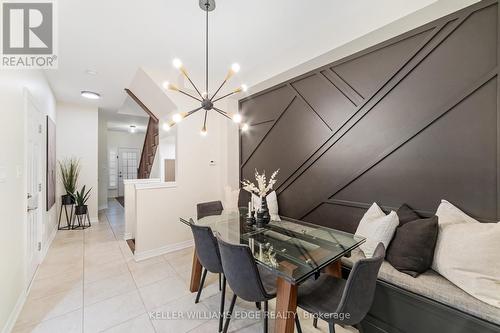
(206, 100)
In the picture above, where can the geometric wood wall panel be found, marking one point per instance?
(326, 99)
(408, 121)
(367, 72)
(466, 147)
(283, 148)
(252, 138)
(268, 106)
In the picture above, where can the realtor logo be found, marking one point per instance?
(28, 35)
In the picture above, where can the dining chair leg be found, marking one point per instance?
(222, 299)
(315, 322)
(297, 324)
(266, 317)
(257, 305)
(220, 285)
(229, 313)
(331, 327)
(201, 285)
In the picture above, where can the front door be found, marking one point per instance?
(33, 191)
(128, 162)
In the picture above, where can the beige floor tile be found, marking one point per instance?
(98, 272)
(162, 292)
(166, 319)
(137, 265)
(72, 281)
(47, 270)
(140, 324)
(107, 288)
(68, 323)
(150, 273)
(113, 311)
(41, 309)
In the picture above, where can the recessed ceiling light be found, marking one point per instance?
(132, 129)
(90, 94)
(91, 72)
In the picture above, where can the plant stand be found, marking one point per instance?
(81, 219)
(68, 218)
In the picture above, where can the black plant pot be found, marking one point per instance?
(81, 210)
(67, 199)
(263, 216)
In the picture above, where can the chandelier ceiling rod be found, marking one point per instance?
(207, 101)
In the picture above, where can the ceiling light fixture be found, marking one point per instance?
(206, 100)
(90, 94)
(132, 128)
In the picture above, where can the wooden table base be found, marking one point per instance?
(195, 274)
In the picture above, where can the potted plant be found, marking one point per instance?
(70, 169)
(81, 198)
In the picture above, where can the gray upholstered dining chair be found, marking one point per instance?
(339, 301)
(209, 208)
(247, 280)
(208, 254)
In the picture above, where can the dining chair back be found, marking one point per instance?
(209, 208)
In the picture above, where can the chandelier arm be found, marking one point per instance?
(193, 111)
(189, 95)
(226, 95)
(205, 120)
(215, 94)
(192, 83)
(224, 113)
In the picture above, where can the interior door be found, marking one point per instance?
(128, 162)
(34, 186)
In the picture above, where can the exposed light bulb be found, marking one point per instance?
(166, 127)
(203, 131)
(244, 87)
(204, 94)
(166, 85)
(237, 118)
(235, 67)
(245, 127)
(177, 117)
(177, 63)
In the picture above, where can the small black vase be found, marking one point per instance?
(67, 199)
(264, 212)
(81, 210)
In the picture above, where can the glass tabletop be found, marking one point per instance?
(293, 249)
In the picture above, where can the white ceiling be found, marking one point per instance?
(116, 37)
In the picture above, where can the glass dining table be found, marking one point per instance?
(293, 250)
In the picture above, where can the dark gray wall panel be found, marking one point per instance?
(367, 72)
(326, 99)
(423, 126)
(267, 107)
(252, 138)
(298, 132)
(454, 158)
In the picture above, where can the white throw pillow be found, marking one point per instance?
(231, 198)
(376, 227)
(468, 253)
(272, 205)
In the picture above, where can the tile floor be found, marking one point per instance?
(89, 282)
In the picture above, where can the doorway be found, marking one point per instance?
(34, 147)
(128, 163)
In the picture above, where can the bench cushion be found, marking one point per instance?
(433, 286)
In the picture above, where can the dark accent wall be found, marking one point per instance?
(413, 119)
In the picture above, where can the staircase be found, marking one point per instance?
(151, 140)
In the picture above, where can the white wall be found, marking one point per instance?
(13, 186)
(102, 163)
(77, 136)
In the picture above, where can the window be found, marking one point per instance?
(113, 169)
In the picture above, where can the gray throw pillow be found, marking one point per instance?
(412, 249)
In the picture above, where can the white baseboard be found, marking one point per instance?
(127, 236)
(46, 246)
(138, 256)
(11, 321)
